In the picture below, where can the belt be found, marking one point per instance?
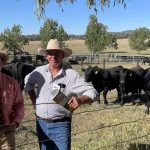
(49, 120)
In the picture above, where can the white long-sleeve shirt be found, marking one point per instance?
(72, 85)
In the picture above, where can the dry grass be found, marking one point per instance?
(79, 47)
(110, 127)
(32, 47)
(96, 127)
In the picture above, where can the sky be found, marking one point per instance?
(74, 18)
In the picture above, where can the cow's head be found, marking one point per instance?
(22, 71)
(90, 73)
(127, 77)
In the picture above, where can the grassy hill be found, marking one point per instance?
(79, 47)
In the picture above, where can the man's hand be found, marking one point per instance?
(74, 103)
(10, 128)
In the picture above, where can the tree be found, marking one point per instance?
(40, 4)
(13, 40)
(97, 38)
(52, 30)
(139, 39)
(112, 41)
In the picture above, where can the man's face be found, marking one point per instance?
(54, 57)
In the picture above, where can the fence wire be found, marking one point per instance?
(27, 139)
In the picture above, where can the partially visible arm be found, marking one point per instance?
(85, 92)
(30, 86)
(75, 102)
(84, 99)
(81, 88)
(18, 105)
(16, 113)
(32, 96)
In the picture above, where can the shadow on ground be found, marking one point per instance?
(139, 146)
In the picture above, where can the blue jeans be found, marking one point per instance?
(54, 135)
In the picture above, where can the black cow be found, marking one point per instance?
(131, 81)
(18, 71)
(67, 65)
(140, 72)
(146, 60)
(104, 79)
(40, 58)
(23, 59)
(73, 62)
(146, 88)
(80, 58)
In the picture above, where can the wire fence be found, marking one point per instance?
(26, 136)
(95, 58)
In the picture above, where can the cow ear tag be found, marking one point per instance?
(130, 74)
(96, 72)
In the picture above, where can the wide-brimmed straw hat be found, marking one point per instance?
(4, 57)
(54, 44)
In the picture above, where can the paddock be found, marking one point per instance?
(96, 127)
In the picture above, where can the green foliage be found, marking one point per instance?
(112, 41)
(97, 38)
(51, 30)
(139, 39)
(13, 40)
(40, 5)
(95, 35)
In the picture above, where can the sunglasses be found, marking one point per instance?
(55, 52)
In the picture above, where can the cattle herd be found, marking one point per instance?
(134, 81)
(18, 70)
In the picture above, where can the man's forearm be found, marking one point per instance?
(85, 99)
(32, 96)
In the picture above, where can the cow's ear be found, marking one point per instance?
(96, 72)
(96, 69)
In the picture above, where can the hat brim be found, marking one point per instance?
(67, 52)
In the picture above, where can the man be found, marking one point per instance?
(11, 107)
(60, 90)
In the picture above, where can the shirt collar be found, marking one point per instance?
(61, 71)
